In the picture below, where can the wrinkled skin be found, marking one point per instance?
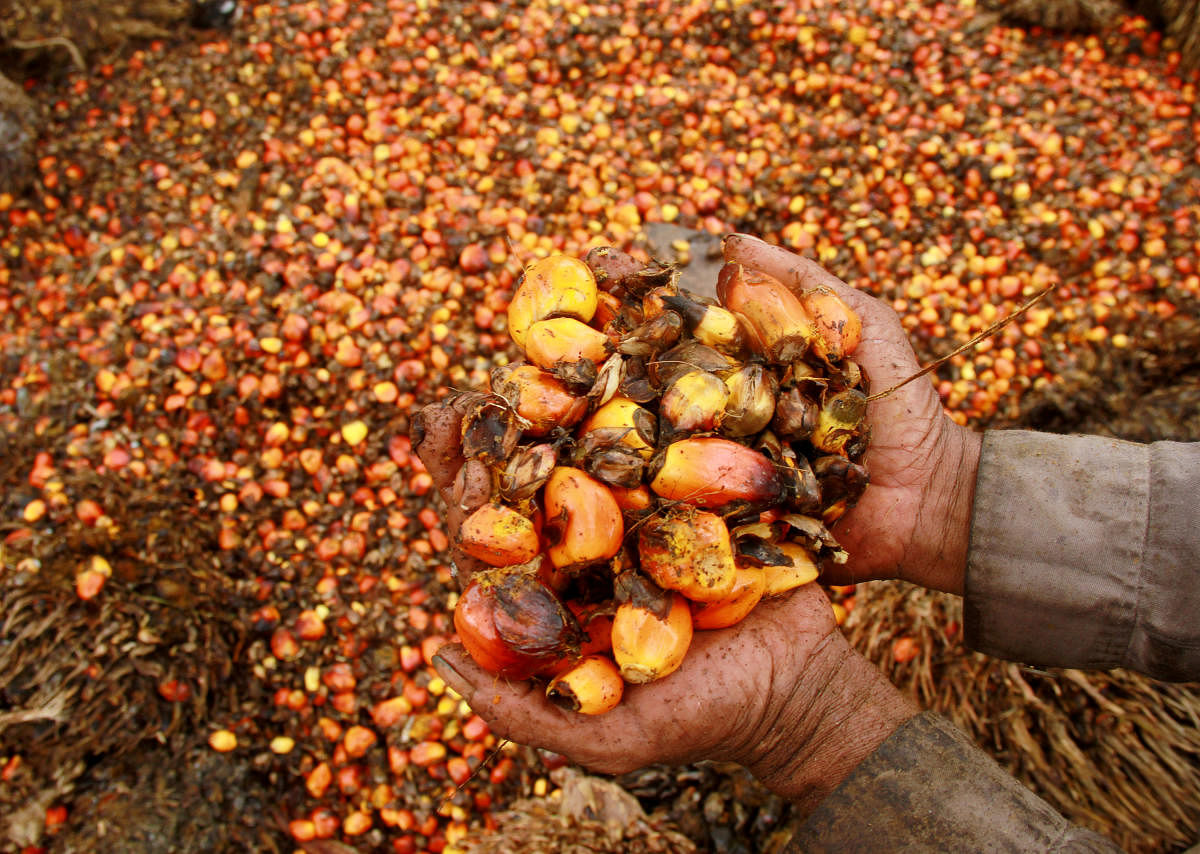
(781, 692)
(913, 521)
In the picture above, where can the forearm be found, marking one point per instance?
(927, 788)
(820, 736)
(1084, 554)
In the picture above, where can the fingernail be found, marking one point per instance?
(416, 429)
(450, 676)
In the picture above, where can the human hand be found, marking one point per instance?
(913, 521)
(781, 693)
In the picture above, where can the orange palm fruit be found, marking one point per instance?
(838, 327)
(748, 588)
(608, 309)
(621, 412)
(688, 551)
(781, 329)
(556, 286)
(651, 636)
(583, 522)
(540, 398)
(800, 570)
(592, 686)
(634, 500)
(564, 340)
(712, 472)
(499, 536)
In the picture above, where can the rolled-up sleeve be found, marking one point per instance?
(1085, 552)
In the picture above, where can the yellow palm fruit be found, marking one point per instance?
(799, 570)
(499, 536)
(712, 325)
(621, 412)
(688, 551)
(583, 522)
(557, 286)
(564, 340)
(592, 686)
(694, 402)
(650, 642)
(748, 588)
(840, 419)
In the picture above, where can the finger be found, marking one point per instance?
(520, 712)
(472, 487)
(437, 437)
(884, 350)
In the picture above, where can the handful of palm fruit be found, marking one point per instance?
(660, 463)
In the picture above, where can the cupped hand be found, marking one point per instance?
(781, 693)
(913, 521)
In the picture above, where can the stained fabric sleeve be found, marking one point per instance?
(927, 788)
(1085, 553)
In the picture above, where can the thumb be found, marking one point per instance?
(884, 349)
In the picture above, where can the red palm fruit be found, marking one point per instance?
(499, 536)
(712, 472)
(513, 625)
(688, 551)
(583, 522)
(748, 587)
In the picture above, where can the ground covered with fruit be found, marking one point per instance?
(245, 258)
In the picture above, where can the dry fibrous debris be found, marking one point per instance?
(245, 258)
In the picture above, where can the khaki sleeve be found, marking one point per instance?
(1085, 553)
(927, 788)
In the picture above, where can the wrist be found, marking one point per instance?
(943, 532)
(836, 716)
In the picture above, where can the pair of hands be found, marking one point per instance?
(781, 693)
